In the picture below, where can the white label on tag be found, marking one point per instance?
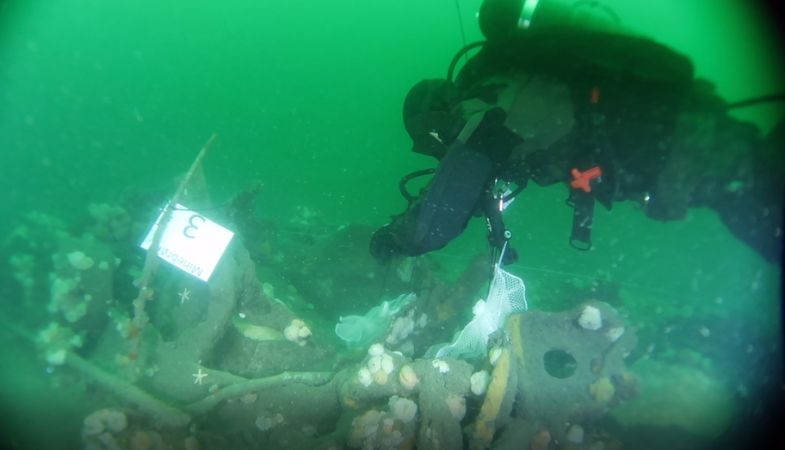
(190, 242)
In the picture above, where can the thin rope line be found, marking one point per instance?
(460, 26)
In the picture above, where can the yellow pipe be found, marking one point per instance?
(485, 425)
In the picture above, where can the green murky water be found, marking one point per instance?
(109, 102)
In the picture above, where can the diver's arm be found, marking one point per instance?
(724, 164)
(441, 213)
(750, 202)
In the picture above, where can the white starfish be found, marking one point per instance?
(199, 376)
(184, 295)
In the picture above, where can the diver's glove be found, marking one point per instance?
(385, 244)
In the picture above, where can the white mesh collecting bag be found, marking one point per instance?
(507, 295)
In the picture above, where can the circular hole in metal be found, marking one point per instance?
(559, 364)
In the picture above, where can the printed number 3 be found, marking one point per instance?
(193, 226)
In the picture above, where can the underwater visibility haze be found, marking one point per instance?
(289, 304)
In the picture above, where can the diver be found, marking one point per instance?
(561, 95)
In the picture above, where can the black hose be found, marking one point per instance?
(756, 100)
(457, 57)
(407, 178)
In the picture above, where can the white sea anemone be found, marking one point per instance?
(364, 377)
(79, 261)
(408, 377)
(494, 355)
(402, 408)
(441, 365)
(575, 434)
(364, 427)
(614, 333)
(479, 382)
(401, 329)
(375, 364)
(297, 332)
(92, 425)
(380, 377)
(266, 422)
(387, 364)
(376, 350)
(590, 318)
(110, 420)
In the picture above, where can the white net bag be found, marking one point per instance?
(507, 295)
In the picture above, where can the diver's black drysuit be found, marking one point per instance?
(615, 117)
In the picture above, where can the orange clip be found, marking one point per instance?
(595, 95)
(582, 180)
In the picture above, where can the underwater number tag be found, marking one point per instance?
(190, 242)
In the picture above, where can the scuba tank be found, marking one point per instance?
(501, 18)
